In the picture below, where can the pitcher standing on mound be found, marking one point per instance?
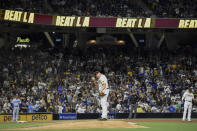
(102, 84)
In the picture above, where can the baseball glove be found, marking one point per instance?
(101, 94)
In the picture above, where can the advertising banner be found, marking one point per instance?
(68, 116)
(87, 21)
(27, 117)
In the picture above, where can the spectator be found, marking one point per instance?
(30, 108)
(7, 107)
(60, 108)
(36, 106)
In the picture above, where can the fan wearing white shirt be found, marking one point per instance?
(60, 109)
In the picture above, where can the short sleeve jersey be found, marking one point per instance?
(101, 81)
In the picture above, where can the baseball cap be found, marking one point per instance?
(96, 72)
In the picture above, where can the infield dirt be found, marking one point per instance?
(83, 124)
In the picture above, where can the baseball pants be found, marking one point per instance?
(133, 109)
(15, 114)
(104, 105)
(187, 107)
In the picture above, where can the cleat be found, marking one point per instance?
(103, 119)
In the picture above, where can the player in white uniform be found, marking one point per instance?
(16, 107)
(103, 88)
(187, 98)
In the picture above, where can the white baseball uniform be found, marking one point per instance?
(16, 107)
(103, 99)
(187, 97)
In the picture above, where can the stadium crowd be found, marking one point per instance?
(37, 6)
(99, 8)
(61, 83)
(107, 8)
(173, 8)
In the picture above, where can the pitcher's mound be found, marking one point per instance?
(86, 124)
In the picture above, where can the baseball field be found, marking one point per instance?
(110, 125)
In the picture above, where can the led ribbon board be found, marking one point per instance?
(86, 21)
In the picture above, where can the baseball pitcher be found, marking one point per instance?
(187, 98)
(16, 107)
(102, 84)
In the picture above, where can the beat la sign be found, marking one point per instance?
(69, 21)
(133, 22)
(188, 24)
(19, 16)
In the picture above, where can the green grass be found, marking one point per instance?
(170, 126)
(10, 125)
(153, 126)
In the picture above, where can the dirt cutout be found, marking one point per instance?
(85, 124)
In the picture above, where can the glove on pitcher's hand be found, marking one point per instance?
(101, 94)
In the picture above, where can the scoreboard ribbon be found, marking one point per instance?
(76, 21)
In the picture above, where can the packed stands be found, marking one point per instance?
(50, 81)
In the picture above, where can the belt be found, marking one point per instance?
(189, 101)
(105, 88)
